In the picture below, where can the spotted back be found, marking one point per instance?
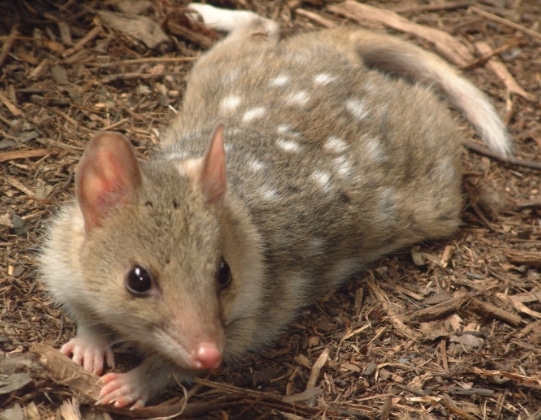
(337, 164)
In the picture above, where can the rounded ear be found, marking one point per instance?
(212, 175)
(108, 176)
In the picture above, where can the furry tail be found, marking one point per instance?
(394, 55)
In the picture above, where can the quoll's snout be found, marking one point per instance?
(206, 356)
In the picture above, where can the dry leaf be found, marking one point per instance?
(468, 340)
(14, 382)
(139, 27)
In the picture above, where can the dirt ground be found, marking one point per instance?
(445, 330)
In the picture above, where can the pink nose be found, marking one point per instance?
(207, 356)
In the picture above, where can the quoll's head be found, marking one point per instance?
(152, 255)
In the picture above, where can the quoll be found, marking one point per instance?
(291, 165)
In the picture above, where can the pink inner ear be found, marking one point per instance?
(107, 177)
(213, 178)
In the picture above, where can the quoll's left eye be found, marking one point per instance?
(138, 281)
(223, 275)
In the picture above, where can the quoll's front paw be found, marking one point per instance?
(123, 390)
(90, 354)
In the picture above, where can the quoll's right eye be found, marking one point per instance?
(223, 275)
(138, 281)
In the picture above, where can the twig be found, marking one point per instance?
(448, 403)
(132, 76)
(82, 42)
(395, 316)
(440, 310)
(490, 310)
(316, 18)
(474, 391)
(194, 32)
(146, 60)
(8, 43)
(65, 116)
(16, 112)
(513, 160)
(523, 380)
(27, 154)
(497, 51)
(414, 391)
(535, 35)
(15, 183)
(501, 71)
(434, 7)
(531, 258)
(529, 204)
(386, 409)
(443, 353)
(320, 362)
(273, 401)
(116, 124)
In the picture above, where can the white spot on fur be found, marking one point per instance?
(189, 166)
(387, 196)
(288, 145)
(357, 108)
(447, 169)
(373, 150)
(233, 131)
(299, 98)
(371, 87)
(254, 113)
(323, 79)
(286, 130)
(335, 145)
(301, 57)
(315, 246)
(181, 167)
(283, 129)
(280, 80)
(268, 193)
(231, 76)
(387, 203)
(322, 179)
(256, 165)
(178, 155)
(343, 166)
(295, 292)
(230, 103)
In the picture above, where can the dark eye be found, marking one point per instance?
(223, 275)
(138, 280)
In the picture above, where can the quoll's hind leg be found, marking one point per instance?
(240, 24)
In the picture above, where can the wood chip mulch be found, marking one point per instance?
(445, 330)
